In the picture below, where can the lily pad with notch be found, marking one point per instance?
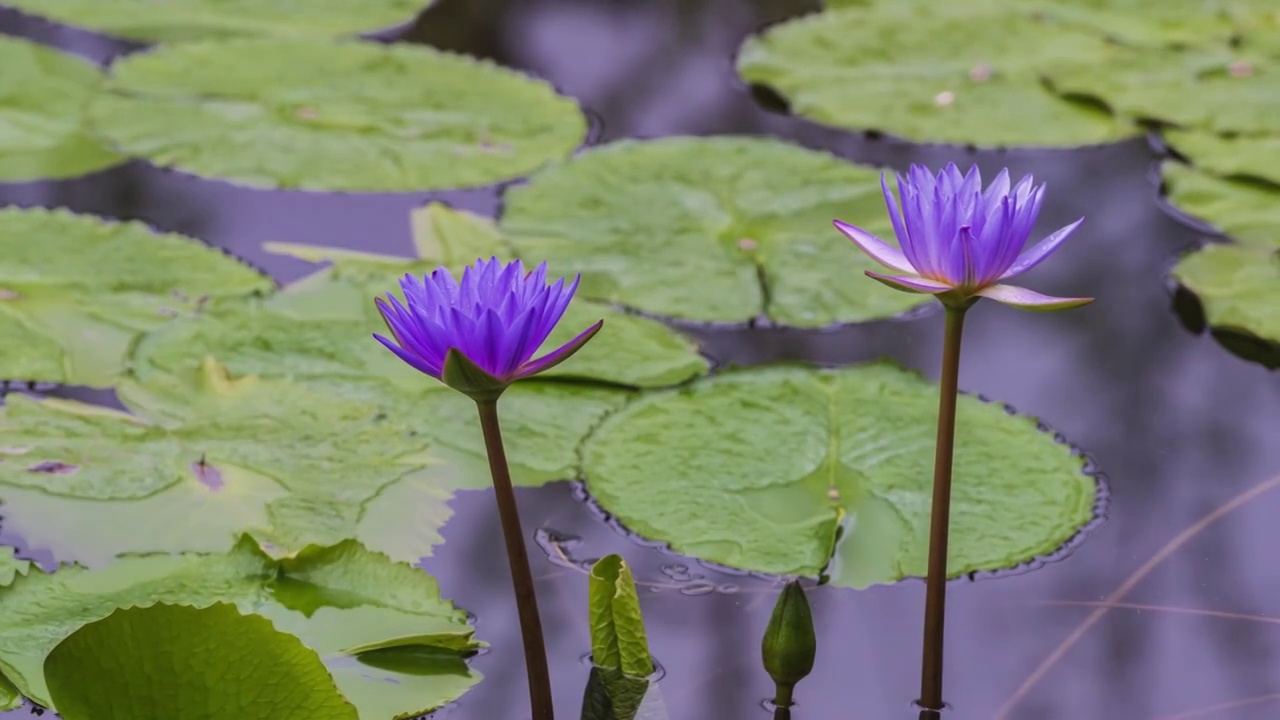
(1245, 210)
(336, 116)
(1238, 287)
(799, 471)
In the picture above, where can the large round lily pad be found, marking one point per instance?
(1248, 212)
(1239, 288)
(42, 114)
(76, 291)
(176, 661)
(183, 20)
(322, 115)
(392, 646)
(1240, 156)
(715, 230)
(801, 471)
(968, 73)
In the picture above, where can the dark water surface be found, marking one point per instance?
(1178, 425)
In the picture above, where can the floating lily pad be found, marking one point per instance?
(11, 567)
(1245, 211)
(175, 661)
(969, 73)
(75, 291)
(1239, 288)
(354, 608)
(1161, 23)
(321, 115)
(1234, 92)
(211, 457)
(716, 230)
(1241, 156)
(42, 115)
(183, 20)
(798, 471)
(322, 324)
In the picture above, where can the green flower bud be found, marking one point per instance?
(790, 646)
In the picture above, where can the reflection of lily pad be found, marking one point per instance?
(334, 115)
(1245, 211)
(718, 230)
(1247, 156)
(1239, 287)
(42, 133)
(214, 458)
(76, 291)
(345, 603)
(182, 20)
(321, 325)
(970, 73)
(175, 661)
(792, 470)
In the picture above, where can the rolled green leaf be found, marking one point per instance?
(789, 645)
(618, 640)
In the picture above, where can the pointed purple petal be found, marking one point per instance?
(1041, 250)
(1025, 299)
(879, 250)
(911, 284)
(551, 359)
(899, 227)
(414, 361)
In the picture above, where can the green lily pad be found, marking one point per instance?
(716, 230)
(76, 291)
(42, 115)
(321, 326)
(184, 20)
(1162, 23)
(965, 73)
(1234, 92)
(351, 606)
(1245, 211)
(1239, 287)
(799, 471)
(175, 661)
(347, 116)
(1241, 156)
(618, 639)
(210, 457)
(11, 567)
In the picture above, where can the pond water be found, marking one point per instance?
(1178, 425)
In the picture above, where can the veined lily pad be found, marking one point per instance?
(968, 73)
(211, 457)
(11, 567)
(1245, 211)
(42, 114)
(176, 661)
(716, 230)
(1243, 156)
(183, 20)
(323, 115)
(798, 471)
(321, 325)
(75, 291)
(393, 647)
(1239, 287)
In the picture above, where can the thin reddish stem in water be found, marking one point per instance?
(1128, 585)
(935, 604)
(535, 652)
(1245, 702)
(1165, 609)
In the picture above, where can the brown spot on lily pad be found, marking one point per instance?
(1240, 68)
(53, 467)
(14, 450)
(208, 475)
(746, 244)
(7, 294)
(308, 113)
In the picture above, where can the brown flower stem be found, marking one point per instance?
(535, 652)
(935, 604)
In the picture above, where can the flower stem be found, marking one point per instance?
(935, 605)
(535, 652)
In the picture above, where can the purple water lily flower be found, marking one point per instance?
(959, 242)
(480, 335)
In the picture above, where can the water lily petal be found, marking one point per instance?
(911, 284)
(1025, 299)
(1041, 250)
(414, 361)
(879, 250)
(551, 359)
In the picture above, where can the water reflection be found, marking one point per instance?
(1179, 425)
